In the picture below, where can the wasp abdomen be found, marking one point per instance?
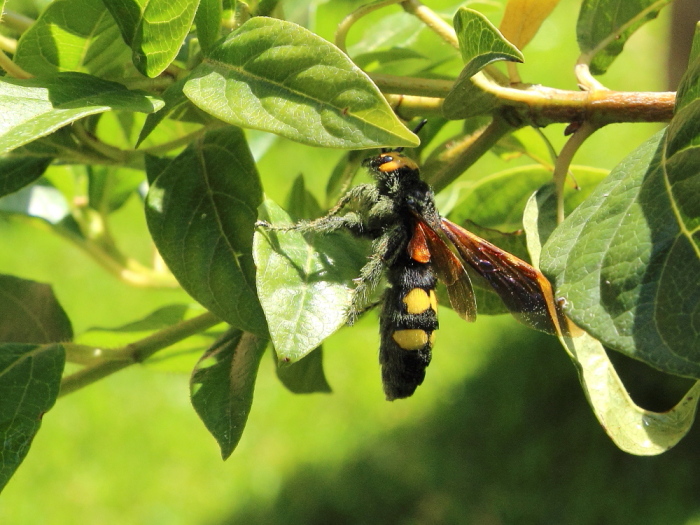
(408, 323)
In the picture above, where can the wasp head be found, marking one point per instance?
(391, 164)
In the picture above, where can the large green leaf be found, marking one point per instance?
(201, 213)
(627, 261)
(223, 383)
(74, 35)
(36, 107)
(154, 29)
(30, 313)
(632, 428)
(277, 76)
(605, 25)
(303, 284)
(481, 43)
(30, 377)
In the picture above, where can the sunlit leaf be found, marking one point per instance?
(481, 44)
(303, 284)
(36, 107)
(277, 76)
(74, 35)
(154, 29)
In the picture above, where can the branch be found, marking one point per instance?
(138, 352)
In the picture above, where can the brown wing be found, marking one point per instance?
(522, 288)
(448, 267)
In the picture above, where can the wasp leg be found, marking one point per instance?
(365, 195)
(385, 249)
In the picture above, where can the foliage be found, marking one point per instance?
(106, 102)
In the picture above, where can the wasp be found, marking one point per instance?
(411, 245)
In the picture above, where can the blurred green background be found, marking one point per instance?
(499, 433)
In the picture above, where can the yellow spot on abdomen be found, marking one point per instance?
(410, 339)
(417, 301)
(433, 301)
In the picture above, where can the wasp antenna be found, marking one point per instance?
(420, 125)
(416, 130)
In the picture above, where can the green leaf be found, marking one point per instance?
(208, 20)
(74, 35)
(303, 284)
(177, 106)
(604, 26)
(277, 76)
(222, 386)
(481, 43)
(154, 29)
(304, 376)
(109, 188)
(201, 213)
(695, 48)
(30, 377)
(30, 313)
(158, 320)
(627, 260)
(16, 173)
(301, 204)
(343, 174)
(632, 428)
(37, 107)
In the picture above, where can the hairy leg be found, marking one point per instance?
(365, 195)
(384, 252)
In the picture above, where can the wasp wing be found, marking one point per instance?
(522, 288)
(449, 269)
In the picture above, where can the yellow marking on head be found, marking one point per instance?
(397, 161)
(417, 301)
(410, 339)
(433, 300)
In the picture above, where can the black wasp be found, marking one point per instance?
(410, 242)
